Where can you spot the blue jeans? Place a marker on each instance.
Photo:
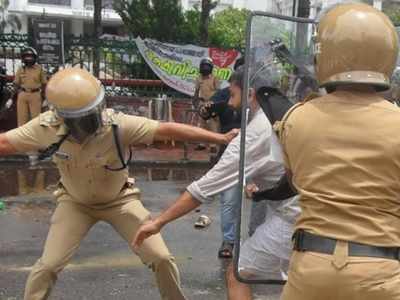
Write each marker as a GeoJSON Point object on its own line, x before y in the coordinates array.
{"type": "Point", "coordinates": [229, 212]}
{"type": "Point", "coordinates": [230, 199]}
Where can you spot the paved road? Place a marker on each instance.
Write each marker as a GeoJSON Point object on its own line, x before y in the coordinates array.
{"type": "Point", "coordinates": [104, 268]}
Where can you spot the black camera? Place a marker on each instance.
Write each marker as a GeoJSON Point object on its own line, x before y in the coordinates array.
{"type": "Point", "coordinates": [210, 110]}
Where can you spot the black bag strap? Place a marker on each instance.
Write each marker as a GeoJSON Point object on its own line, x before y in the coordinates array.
{"type": "Point", "coordinates": [53, 148]}
{"type": "Point", "coordinates": [281, 191]}
{"type": "Point", "coordinates": [124, 163]}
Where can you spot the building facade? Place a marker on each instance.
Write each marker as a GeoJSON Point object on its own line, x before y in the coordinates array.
{"type": "Point", "coordinates": [260, 5]}
{"type": "Point", "coordinates": [285, 7]}
{"type": "Point", "coordinates": [77, 15]}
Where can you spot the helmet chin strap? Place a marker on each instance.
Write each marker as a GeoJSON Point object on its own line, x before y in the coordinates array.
{"type": "Point", "coordinates": [29, 63]}
{"type": "Point", "coordinates": [80, 137]}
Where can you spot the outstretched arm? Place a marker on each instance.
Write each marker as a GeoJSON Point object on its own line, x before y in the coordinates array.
{"type": "Point", "coordinates": [183, 132]}
{"type": "Point", "coordinates": [5, 146]}
{"type": "Point", "coordinates": [182, 206]}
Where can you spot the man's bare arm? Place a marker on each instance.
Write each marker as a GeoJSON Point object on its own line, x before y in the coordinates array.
{"type": "Point", "coordinates": [182, 206]}
{"type": "Point", "coordinates": [5, 146]}
{"type": "Point", "coordinates": [183, 132]}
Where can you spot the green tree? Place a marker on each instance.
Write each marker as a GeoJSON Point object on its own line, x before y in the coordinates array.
{"type": "Point", "coordinates": [6, 19]}
{"type": "Point", "coordinates": [157, 19]}
{"type": "Point", "coordinates": [228, 28]}
{"type": "Point", "coordinates": [190, 30]}
{"type": "Point", "coordinates": [392, 10]}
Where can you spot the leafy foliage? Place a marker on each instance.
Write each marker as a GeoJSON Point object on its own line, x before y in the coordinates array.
{"type": "Point", "coordinates": [190, 31]}
{"type": "Point", "coordinates": [394, 14]}
{"type": "Point", "coordinates": [157, 19]}
{"type": "Point", "coordinates": [164, 20]}
{"type": "Point", "coordinates": [228, 28]}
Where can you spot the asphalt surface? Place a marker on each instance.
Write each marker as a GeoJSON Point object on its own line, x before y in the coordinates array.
{"type": "Point", "coordinates": [104, 268]}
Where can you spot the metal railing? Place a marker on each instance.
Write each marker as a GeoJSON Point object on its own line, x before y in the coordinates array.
{"type": "Point", "coordinates": [122, 67]}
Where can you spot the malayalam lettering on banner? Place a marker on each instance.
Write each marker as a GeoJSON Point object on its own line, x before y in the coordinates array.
{"type": "Point", "coordinates": [178, 66]}
{"type": "Point", "coordinates": [48, 41]}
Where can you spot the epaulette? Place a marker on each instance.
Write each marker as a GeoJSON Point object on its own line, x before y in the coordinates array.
{"type": "Point", "coordinates": [279, 126]}
{"type": "Point", "coordinates": [109, 117]}
{"type": "Point", "coordinates": [49, 119]}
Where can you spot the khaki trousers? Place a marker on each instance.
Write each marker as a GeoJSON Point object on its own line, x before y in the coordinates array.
{"type": "Point", "coordinates": [315, 276]}
{"type": "Point", "coordinates": [27, 186]}
{"type": "Point", "coordinates": [29, 106]}
{"type": "Point", "coordinates": [69, 225]}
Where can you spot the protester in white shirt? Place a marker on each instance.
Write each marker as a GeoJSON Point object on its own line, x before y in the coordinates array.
{"type": "Point", "coordinates": [270, 246]}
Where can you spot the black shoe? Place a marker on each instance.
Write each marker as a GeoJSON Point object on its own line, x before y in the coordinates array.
{"type": "Point", "coordinates": [200, 147]}
{"type": "Point", "coordinates": [226, 250]}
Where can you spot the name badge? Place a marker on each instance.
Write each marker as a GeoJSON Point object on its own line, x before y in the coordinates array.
{"type": "Point", "coordinates": [62, 155]}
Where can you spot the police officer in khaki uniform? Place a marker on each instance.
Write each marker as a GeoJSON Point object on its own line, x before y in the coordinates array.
{"type": "Point", "coordinates": [30, 80]}
{"type": "Point", "coordinates": [206, 85]}
{"type": "Point", "coordinates": [91, 144]}
{"type": "Point", "coordinates": [343, 152]}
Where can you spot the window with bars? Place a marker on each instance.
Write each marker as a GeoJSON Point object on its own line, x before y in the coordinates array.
{"type": "Point", "coordinates": [51, 2]}
{"type": "Point", "coordinates": [106, 4]}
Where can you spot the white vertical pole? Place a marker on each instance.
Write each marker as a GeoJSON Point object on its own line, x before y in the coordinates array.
{"type": "Point", "coordinates": [378, 4]}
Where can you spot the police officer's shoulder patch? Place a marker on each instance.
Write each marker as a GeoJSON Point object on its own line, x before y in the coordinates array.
{"type": "Point", "coordinates": [279, 127]}
{"type": "Point", "coordinates": [279, 124]}
{"type": "Point", "coordinates": [49, 119]}
{"type": "Point", "coordinates": [110, 117]}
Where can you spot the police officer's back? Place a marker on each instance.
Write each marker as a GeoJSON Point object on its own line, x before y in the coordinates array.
{"type": "Point", "coordinates": [343, 152]}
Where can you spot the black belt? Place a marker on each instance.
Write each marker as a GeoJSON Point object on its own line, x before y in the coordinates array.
{"type": "Point", "coordinates": [305, 241]}
{"type": "Point", "coordinates": [30, 90]}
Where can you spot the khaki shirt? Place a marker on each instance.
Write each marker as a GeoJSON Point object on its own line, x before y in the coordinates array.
{"type": "Point", "coordinates": [30, 77]}
{"type": "Point", "coordinates": [343, 150]}
{"type": "Point", "coordinates": [82, 166]}
{"type": "Point", "coordinates": [207, 86]}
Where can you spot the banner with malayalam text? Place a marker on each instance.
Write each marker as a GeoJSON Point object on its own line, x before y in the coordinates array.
{"type": "Point", "coordinates": [178, 65]}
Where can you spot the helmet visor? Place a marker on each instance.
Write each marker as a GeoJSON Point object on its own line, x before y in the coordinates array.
{"type": "Point", "coordinates": [206, 69]}
{"type": "Point", "coordinates": [82, 127]}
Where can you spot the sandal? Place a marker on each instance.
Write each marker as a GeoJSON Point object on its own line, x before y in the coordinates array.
{"type": "Point", "coordinates": [202, 222]}
{"type": "Point", "coordinates": [226, 250]}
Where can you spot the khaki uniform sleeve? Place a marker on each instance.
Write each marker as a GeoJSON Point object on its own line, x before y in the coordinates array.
{"type": "Point", "coordinates": [282, 130]}
{"type": "Point", "coordinates": [217, 83]}
{"type": "Point", "coordinates": [137, 130]}
{"type": "Point", "coordinates": [43, 76]}
{"type": "Point", "coordinates": [29, 137]}
{"type": "Point", "coordinates": [283, 140]}
{"type": "Point", "coordinates": [17, 78]}
{"type": "Point", "coordinates": [197, 84]}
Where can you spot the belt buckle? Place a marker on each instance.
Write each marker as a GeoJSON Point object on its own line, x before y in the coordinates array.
{"type": "Point", "coordinates": [397, 254]}
{"type": "Point", "coordinates": [298, 241]}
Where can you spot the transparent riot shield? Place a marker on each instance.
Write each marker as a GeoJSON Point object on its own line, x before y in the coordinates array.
{"type": "Point", "coordinates": [393, 94]}
{"type": "Point", "coordinates": [278, 73]}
